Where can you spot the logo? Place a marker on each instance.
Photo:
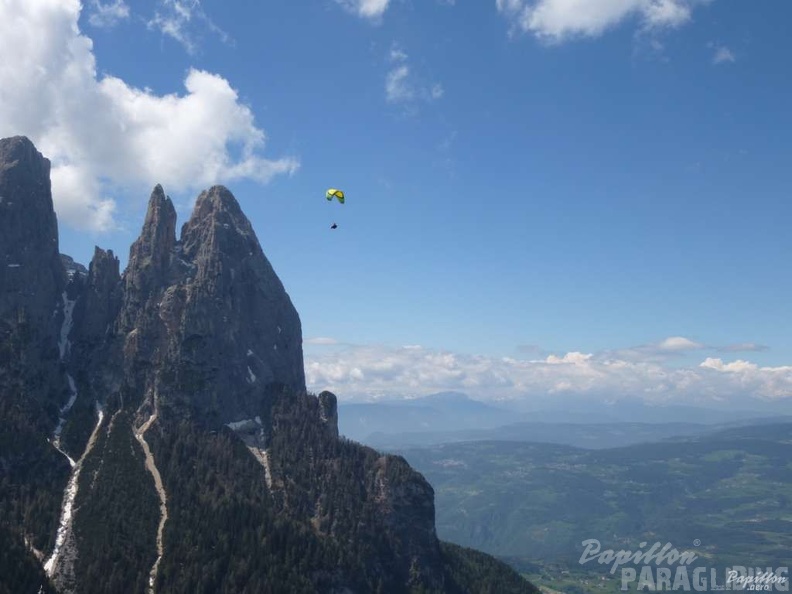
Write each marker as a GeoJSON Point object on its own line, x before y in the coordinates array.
{"type": "Point", "coordinates": [664, 568]}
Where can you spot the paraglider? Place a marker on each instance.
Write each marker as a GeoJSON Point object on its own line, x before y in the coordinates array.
{"type": "Point", "coordinates": [338, 195]}
{"type": "Point", "coordinates": [333, 193]}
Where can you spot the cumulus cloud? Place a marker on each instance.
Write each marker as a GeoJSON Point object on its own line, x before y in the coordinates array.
{"type": "Point", "coordinates": [402, 86]}
{"type": "Point", "coordinates": [367, 9]}
{"type": "Point", "coordinates": [558, 20]}
{"type": "Point", "coordinates": [377, 371]}
{"type": "Point", "coordinates": [182, 20]}
{"type": "Point", "coordinates": [734, 367]}
{"type": "Point", "coordinates": [107, 14]}
{"type": "Point", "coordinates": [102, 134]}
{"type": "Point", "coordinates": [749, 378]}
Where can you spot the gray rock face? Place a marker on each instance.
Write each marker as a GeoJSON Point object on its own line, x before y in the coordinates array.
{"type": "Point", "coordinates": [32, 276]}
{"type": "Point", "coordinates": [73, 268]}
{"type": "Point", "coordinates": [32, 282]}
{"type": "Point", "coordinates": [234, 294]}
{"type": "Point", "coordinates": [207, 316]}
{"type": "Point", "coordinates": [100, 297]}
{"type": "Point", "coordinates": [95, 351]}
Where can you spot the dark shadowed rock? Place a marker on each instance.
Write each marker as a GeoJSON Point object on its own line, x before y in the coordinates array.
{"type": "Point", "coordinates": [32, 385]}
{"type": "Point", "coordinates": [95, 351]}
{"type": "Point", "coordinates": [73, 268]}
{"type": "Point", "coordinates": [32, 277]}
{"type": "Point", "coordinates": [101, 297]}
{"type": "Point", "coordinates": [328, 412]}
{"type": "Point", "coordinates": [31, 273]}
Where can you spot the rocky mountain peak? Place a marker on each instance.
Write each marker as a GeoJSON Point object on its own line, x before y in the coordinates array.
{"type": "Point", "coordinates": [216, 201]}
{"type": "Point", "coordinates": [158, 237]}
{"type": "Point", "coordinates": [19, 154]}
{"type": "Point", "coordinates": [103, 271]}
{"type": "Point", "coordinates": [211, 308]}
{"type": "Point", "coordinates": [218, 225]}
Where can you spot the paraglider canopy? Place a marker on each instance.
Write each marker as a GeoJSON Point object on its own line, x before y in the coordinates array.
{"type": "Point", "coordinates": [333, 193]}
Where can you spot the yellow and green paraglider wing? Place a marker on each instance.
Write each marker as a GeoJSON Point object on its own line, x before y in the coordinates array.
{"type": "Point", "coordinates": [333, 193]}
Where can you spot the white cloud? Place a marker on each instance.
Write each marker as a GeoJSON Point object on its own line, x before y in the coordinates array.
{"type": "Point", "coordinates": [101, 134]}
{"type": "Point", "coordinates": [574, 358]}
{"type": "Point", "coordinates": [734, 367]}
{"type": "Point", "coordinates": [378, 371]}
{"type": "Point", "coordinates": [321, 341]}
{"type": "Point", "coordinates": [666, 13]}
{"type": "Point", "coordinates": [402, 86]}
{"type": "Point", "coordinates": [108, 14]}
{"type": "Point", "coordinates": [723, 55]}
{"type": "Point", "coordinates": [678, 343]}
{"type": "Point", "coordinates": [181, 20]}
{"type": "Point", "coordinates": [558, 20]}
{"type": "Point", "coordinates": [766, 382]}
{"type": "Point", "coordinates": [397, 54]}
{"type": "Point", "coordinates": [367, 9]}
{"type": "Point", "coordinates": [671, 347]}
{"type": "Point", "coordinates": [397, 85]}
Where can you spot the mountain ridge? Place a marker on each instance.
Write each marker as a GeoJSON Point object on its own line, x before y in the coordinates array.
{"type": "Point", "coordinates": [156, 430]}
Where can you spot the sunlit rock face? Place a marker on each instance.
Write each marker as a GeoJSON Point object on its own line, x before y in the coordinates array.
{"type": "Point", "coordinates": [206, 314]}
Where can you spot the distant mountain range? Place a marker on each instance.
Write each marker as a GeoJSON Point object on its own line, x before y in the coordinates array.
{"type": "Point", "coordinates": [450, 417]}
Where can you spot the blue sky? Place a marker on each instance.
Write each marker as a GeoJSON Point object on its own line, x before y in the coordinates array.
{"type": "Point", "coordinates": [543, 196]}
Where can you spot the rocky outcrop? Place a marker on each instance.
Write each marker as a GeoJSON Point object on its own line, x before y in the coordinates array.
{"type": "Point", "coordinates": [32, 276]}
{"type": "Point", "coordinates": [328, 412]}
{"type": "Point", "coordinates": [73, 268]}
{"type": "Point", "coordinates": [99, 299]}
{"type": "Point", "coordinates": [206, 317]}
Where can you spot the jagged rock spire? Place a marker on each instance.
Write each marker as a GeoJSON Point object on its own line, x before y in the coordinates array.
{"type": "Point", "coordinates": [212, 305]}
{"type": "Point", "coordinates": [152, 250]}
